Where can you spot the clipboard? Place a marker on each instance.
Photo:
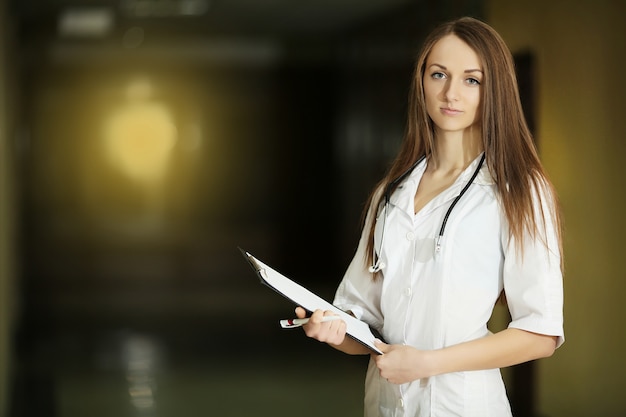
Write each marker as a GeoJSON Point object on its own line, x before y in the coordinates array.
{"type": "Point", "coordinates": [296, 293]}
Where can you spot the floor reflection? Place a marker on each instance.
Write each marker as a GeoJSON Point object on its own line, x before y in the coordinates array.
{"type": "Point", "coordinates": [260, 370]}
{"type": "Point", "coordinates": [142, 356]}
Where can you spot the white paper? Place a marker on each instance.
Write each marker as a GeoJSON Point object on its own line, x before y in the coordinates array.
{"type": "Point", "coordinates": [306, 299]}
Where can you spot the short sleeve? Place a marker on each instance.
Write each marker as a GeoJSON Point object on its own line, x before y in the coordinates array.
{"type": "Point", "coordinates": [358, 292]}
{"type": "Point", "coordinates": [533, 280]}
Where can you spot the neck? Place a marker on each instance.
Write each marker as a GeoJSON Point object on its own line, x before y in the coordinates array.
{"type": "Point", "coordinates": [455, 151]}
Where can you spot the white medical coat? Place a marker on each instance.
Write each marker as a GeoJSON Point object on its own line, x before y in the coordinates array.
{"type": "Point", "coordinates": [430, 299]}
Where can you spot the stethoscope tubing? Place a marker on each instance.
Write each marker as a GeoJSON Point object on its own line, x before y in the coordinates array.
{"type": "Point", "coordinates": [377, 265]}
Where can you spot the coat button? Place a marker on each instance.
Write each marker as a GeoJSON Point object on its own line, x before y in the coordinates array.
{"type": "Point", "coordinates": [410, 236]}
{"type": "Point", "coordinates": [407, 291]}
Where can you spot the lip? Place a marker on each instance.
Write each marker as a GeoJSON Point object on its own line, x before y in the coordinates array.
{"type": "Point", "coordinates": [448, 111]}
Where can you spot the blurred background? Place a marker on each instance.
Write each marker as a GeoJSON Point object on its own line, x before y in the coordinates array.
{"type": "Point", "coordinates": [143, 141]}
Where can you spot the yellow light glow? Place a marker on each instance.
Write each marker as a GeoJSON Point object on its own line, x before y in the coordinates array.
{"type": "Point", "coordinates": [139, 137]}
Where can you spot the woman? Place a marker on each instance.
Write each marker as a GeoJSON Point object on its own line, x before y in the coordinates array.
{"type": "Point", "coordinates": [465, 217]}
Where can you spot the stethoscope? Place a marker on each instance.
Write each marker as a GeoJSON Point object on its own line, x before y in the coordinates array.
{"type": "Point", "coordinates": [378, 264]}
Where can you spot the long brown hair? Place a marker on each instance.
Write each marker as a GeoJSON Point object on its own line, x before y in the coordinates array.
{"type": "Point", "coordinates": [510, 151]}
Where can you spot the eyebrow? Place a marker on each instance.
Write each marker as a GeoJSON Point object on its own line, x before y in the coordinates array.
{"type": "Point", "coordinates": [467, 71]}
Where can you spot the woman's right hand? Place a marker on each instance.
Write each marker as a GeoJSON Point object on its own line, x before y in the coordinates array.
{"type": "Point", "coordinates": [332, 332]}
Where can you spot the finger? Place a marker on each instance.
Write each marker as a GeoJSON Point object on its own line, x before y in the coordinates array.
{"type": "Point", "coordinates": [335, 326]}
{"type": "Point", "coordinates": [316, 317]}
{"type": "Point", "coordinates": [336, 331]}
{"type": "Point", "coordinates": [300, 312]}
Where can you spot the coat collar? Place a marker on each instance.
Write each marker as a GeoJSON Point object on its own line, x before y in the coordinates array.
{"type": "Point", "coordinates": [403, 196]}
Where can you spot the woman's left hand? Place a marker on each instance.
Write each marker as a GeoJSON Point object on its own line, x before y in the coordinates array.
{"type": "Point", "coordinates": [400, 364]}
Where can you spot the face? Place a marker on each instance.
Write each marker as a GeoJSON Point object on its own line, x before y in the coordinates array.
{"type": "Point", "coordinates": [452, 85]}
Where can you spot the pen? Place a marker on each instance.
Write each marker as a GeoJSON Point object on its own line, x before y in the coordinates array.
{"type": "Point", "coordinates": [290, 323]}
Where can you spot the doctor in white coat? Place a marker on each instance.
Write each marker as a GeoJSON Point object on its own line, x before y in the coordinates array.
{"type": "Point", "coordinates": [465, 217]}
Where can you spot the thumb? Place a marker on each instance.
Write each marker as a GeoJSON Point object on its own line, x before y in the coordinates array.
{"type": "Point", "coordinates": [383, 347]}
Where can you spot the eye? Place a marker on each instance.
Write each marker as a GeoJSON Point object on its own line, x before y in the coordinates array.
{"type": "Point", "coordinates": [473, 81]}
{"type": "Point", "coordinates": [438, 75]}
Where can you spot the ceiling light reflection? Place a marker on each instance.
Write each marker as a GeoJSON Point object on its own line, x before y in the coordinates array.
{"type": "Point", "coordinates": [161, 8]}
{"type": "Point", "coordinates": [140, 135]}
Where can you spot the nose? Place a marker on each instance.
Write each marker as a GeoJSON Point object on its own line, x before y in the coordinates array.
{"type": "Point", "coordinates": [450, 93]}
